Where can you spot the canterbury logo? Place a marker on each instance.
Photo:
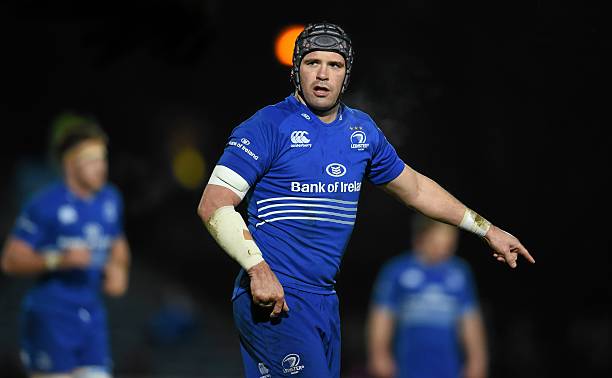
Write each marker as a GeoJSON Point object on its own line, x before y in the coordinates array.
{"type": "Point", "coordinates": [299, 137]}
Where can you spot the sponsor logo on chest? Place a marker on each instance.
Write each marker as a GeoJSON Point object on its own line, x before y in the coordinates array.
{"type": "Point", "coordinates": [335, 170]}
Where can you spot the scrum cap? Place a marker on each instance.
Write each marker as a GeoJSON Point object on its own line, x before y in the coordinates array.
{"type": "Point", "coordinates": [322, 37]}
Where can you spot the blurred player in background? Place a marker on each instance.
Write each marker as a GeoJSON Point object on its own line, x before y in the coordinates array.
{"type": "Point", "coordinates": [302, 162]}
{"type": "Point", "coordinates": [70, 236]}
{"type": "Point", "coordinates": [424, 320]}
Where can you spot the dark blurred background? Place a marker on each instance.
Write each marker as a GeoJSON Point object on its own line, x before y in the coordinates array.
{"type": "Point", "coordinates": [501, 104]}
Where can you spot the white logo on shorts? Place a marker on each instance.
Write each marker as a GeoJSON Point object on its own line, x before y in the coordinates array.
{"type": "Point", "coordinates": [291, 364]}
{"type": "Point", "coordinates": [263, 370]}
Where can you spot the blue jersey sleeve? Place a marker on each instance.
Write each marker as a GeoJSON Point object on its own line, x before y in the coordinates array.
{"type": "Point", "coordinates": [386, 289]}
{"type": "Point", "coordinates": [250, 148]}
{"type": "Point", "coordinates": [32, 225]}
{"type": "Point", "coordinates": [385, 165]}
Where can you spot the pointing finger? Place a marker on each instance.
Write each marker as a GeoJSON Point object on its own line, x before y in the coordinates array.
{"type": "Point", "coordinates": [523, 251]}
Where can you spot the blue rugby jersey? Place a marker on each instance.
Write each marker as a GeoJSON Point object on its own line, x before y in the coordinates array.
{"type": "Point", "coordinates": [305, 177]}
{"type": "Point", "coordinates": [55, 219]}
{"type": "Point", "coordinates": [428, 302]}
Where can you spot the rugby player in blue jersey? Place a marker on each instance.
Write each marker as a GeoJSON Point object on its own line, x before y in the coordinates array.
{"type": "Point", "coordinates": [70, 236]}
{"type": "Point", "coordinates": [301, 162]}
{"type": "Point", "coordinates": [424, 319]}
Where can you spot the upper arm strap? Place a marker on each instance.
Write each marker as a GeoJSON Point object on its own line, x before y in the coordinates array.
{"type": "Point", "coordinates": [223, 176]}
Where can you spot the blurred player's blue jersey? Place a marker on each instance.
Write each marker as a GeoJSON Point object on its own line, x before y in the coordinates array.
{"type": "Point", "coordinates": [427, 302]}
{"type": "Point", "coordinates": [306, 177]}
{"type": "Point", "coordinates": [55, 220]}
{"type": "Point", "coordinates": [63, 319]}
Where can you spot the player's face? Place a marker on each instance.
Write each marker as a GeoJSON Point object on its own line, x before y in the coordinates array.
{"type": "Point", "coordinates": [321, 75]}
{"type": "Point", "coordinates": [439, 243]}
{"type": "Point", "coordinates": [90, 166]}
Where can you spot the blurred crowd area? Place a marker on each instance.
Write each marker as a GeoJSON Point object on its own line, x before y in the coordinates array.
{"type": "Point", "coordinates": [500, 109]}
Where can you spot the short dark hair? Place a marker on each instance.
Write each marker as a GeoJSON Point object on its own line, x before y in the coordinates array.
{"type": "Point", "coordinates": [420, 224]}
{"type": "Point", "coordinates": [69, 129]}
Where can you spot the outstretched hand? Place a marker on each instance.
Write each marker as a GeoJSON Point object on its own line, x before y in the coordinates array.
{"type": "Point", "coordinates": [506, 247]}
{"type": "Point", "coordinates": [266, 290]}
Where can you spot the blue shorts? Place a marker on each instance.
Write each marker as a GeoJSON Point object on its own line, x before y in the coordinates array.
{"type": "Point", "coordinates": [305, 342]}
{"type": "Point", "coordinates": [58, 341]}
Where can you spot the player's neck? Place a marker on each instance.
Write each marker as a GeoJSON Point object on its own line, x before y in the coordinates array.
{"type": "Point", "coordinates": [426, 259]}
{"type": "Point", "coordinates": [326, 116]}
{"type": "Point", "coordinates": [76, 188]}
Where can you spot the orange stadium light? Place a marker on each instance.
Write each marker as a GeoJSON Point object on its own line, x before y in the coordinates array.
{"type": "Point", "coordinates": [285, 41]}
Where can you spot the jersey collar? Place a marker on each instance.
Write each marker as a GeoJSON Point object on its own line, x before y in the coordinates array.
{"type": "Point", "coordinates": [303, 109]}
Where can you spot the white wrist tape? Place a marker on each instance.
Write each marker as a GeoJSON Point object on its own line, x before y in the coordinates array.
{"type": "Point", "coordinates": [473, 222]}
{"type": "Point", "coordinates": [52, 260]}
{"type": "Point", "coordinates": [223, 176]}
{"type": "Point", "coordinates": [229, 230]}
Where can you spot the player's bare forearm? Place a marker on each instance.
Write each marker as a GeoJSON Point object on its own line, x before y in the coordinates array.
{"type": "Point", "coordinates": [474, 343]}
{"type": "Point", "coordinates": [116, 270]}
{"type": "Point", "coordinates": [18, 258]}
{"type": "Point", "coordinates": [381, 324]}
{"type": "Point", "coordinates": [120, 253]}
{"type": "Point", "coordinates": [426, 196]}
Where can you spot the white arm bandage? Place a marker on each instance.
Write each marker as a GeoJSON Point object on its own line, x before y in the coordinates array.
{"type": "Point", "coordinates": [473, 222]}
{"type": "Point", "coordinates": [223, 176]}
{"type": "Point", "coordinates": [229, 230]}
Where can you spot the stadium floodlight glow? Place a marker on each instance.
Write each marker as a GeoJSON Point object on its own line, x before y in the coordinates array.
{"type": "Point", "coordinates": [285, 42]}
{"type": "Point", "coordinates": [188, 167]}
